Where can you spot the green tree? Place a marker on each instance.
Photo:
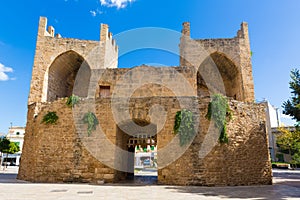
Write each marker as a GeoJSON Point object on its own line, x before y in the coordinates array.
{"type": "Point", "coordinates": [292, 106]}
{"type": "Point", "coordinates": [4, 144]}
{"type": "Point", "coordinates": [13, 148]}
{"type": "Point", "coordinates": [289, 140]}
{"type": "Point", "coordinates": [8, 147]}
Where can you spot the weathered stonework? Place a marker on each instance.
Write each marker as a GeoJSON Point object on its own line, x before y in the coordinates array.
{"type": "Point", "coordinates": [237, 62]}
{"type": "Point", "coordinates": [56, 153]}
{"type": "Point", "coordinates": [63, 152]}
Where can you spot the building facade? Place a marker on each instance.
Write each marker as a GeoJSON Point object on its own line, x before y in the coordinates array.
{"type": "Point", "coordinates": [273, 122]}
{"type": "Point", "coordinates": [142, 102]}
{"type": "Point", "coordinates": [15, 134]}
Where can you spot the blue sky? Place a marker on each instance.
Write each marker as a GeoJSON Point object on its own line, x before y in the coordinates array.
{"type": "Point", "coordinates": [273, 26]}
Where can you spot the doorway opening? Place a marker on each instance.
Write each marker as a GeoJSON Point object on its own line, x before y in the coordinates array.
{"type": "Point", "coordinates": [138, 137]}
{"type": "Point", "coordinates": [144, 162]}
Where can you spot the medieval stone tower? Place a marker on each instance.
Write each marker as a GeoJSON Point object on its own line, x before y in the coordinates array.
{"type": "Point", "coordinates": [232, 56]}
{"type": "Point", "coordinates": [49, 79]}
{"type": "Point", "coordinates": [139, 104]}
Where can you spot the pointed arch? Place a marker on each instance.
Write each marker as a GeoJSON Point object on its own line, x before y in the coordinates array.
{"type": "Point", "coordinates": [229, 72]}
{"type": "Point", "coordinates": [62, 74]}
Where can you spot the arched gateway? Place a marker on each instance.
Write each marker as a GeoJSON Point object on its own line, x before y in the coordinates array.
{"type": "Point", "coordinates": [97, 139]}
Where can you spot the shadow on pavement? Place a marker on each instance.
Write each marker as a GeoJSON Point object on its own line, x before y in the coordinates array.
{"type": "Point", "coordinates": [286, 185]}
{"type": "Point", "coordinates": [243, 192]}
{"type": "Point", "coordinates": [9, 175]}
{"type": "Point", "coordinates": [137, 181]}
{"type": "Point", "coordinates": [9, 178]}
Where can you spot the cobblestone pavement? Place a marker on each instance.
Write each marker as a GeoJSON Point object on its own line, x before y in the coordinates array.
{"type": "Point", "coordinates": [286, 186]}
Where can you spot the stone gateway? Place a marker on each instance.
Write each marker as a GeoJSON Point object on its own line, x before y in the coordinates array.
{"type": "Point", "coordinates": [140, 104]}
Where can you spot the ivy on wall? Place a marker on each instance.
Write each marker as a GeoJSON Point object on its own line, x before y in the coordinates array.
{"type": "Point", "coordinates": [50, 118]}
{"type": "Point", "coordinates": [184, 126]}
{"type": "Point", "coordinates": [220, 113]}
{"type": "Point", "coordinates": [72, 100]}
{"type": "Point", "coordinates": [92, 121]}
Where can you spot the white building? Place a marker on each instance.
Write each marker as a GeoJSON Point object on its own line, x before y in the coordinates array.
{"type": "Point", "coordinates": [272, 123]}
{"type": "Point", "coordinates": [15, 134]}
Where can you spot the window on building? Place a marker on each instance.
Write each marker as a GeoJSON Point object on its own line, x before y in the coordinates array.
{"type": "Point", "coordinates": [18, 133]}
{"type": "Point", "coordinates": [104, 91]}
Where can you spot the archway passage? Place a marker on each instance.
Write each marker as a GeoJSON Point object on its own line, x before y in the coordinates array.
{"type": "Point", "coordinates": [145, 159]}
{"type": "Point", "coordinates": [229, 83]}
{"type": "Point", "coordinates": [141, 144]}
{"type": "Point", "coordinates": [62, 74]}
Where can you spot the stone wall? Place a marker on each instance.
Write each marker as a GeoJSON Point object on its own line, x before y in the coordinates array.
{"type": "Point", "coordinates": [243, 161]}
{"type": "Point", "coordinates": [59, 153]}
{"type": "Point", "coordinates": [147, 81]}
{"type": "Point", "coordinates": [63, 152]}
{"type": "Point", "coordinates": [229, 55]}
{"type": "Point", "coordinates": [97, 54]}
{"type": "Point", "coordinates": [193, 52]}
{"type": "Point", "coordinates": [54, 153]}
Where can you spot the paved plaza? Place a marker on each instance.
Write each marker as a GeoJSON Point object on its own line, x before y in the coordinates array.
{"type": "Point", "coordinates": [286, 186]}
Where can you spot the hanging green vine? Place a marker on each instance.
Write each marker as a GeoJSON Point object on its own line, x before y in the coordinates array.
{"type": "Point", "coordinates": [50, 118]}
{"type": "Point", "coordinates": [92, 121]}
{"type": "Point", "coordinates": [219, 111]}
{"type": "Point", "coordinates": [72, 100]}
{"type": "Point", "coordinates": [184, 126]}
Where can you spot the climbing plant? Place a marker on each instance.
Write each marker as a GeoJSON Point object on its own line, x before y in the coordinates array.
{"type": "Point", "coordinates": [92, 121]}
{"type": "Point", "coordinates": [220, 113]}
{"type": "Point", "coordinates": [72, 100]}
{"type": "Point", "coordinates": [50, 118]}
{"type": "Point", "coordinates": [184, 126]}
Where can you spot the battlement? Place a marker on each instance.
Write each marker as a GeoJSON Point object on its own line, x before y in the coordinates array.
{"type": "Point", "coordinates": [232, 55]}
{"type": "Point", "coordinates": [107, 37]}
{"type": "Point", "coordinates": [46, 31]}
{"type": "Point", "coordinates": [57, 58]}
{"type": "Point", "coordinates": [186, 29]}
{"type": "Point", "coordinates": [49, 31]}
{"type": "Point", "coordinates": [243, 31]}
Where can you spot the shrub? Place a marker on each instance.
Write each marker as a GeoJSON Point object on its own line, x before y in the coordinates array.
{"type": "Point", "coordinates": [220, 113]}
{"type": "Point", "coordinates": [50, 118]}
{"type": "Point", "coordinates": [184, 126]}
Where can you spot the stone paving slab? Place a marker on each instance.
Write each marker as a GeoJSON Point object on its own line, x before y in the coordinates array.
{"type": "Point", "coordinates": [286, 186]}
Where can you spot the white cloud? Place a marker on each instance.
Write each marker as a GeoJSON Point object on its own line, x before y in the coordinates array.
{"type": "Point", "coordinates": [94, 13]}
{"type": "Point", "coordinates": [3, 71]}
{"type": "Point", "coordinates": [116, 3]}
